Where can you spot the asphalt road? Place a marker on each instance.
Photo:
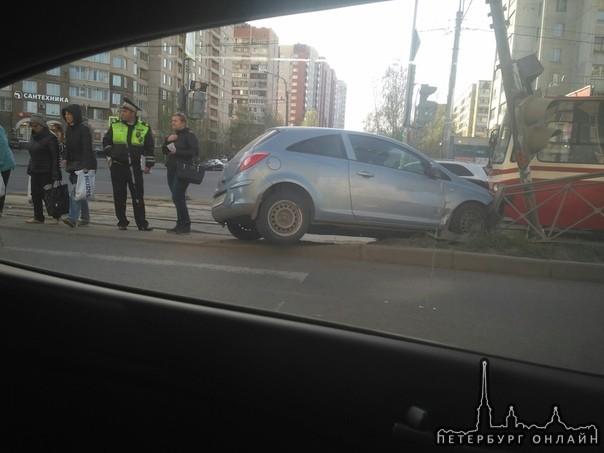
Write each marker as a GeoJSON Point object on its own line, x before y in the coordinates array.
{"type": "Point", "coordinates": [548, 321]}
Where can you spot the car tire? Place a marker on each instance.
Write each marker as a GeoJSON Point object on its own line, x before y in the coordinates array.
{"type": "Point", "coordinates": [469, 218]}
{"type": "Point", "coordinates": [245, 231]}
{"type": "Point", "coordinates": [283, 217]}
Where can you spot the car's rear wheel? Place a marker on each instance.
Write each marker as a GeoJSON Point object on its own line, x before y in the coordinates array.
{"type": "Point", "coordinates": [284, 217]}
{"type": "Point", "coordinates": [246, 231]}
{"type": "Point", "coordinates": [470, 218]}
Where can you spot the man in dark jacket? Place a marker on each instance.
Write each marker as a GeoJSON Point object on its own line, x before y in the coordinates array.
{"type": "Point", "coordinates": [77, 155]}
{"type": "Point", "coordinates": [129, 147]}
{"type": "Point", "coordinates": [43, 165]}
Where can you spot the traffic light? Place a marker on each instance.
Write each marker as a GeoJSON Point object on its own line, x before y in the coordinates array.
{"type": "Point", "coordinates": [425, 109]}
{"type": "Point", "coordinates": [199, 105]}
{"type": "Point", "coordinates": [533, 132]}
{"type": "Point", "coordinates": [181, 99]}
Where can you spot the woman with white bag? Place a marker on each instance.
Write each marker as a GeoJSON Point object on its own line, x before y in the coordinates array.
{"type": "Point", "coordinates": [78, 157]}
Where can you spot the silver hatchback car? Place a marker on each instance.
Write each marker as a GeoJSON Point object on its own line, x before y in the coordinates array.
{"type": "Point", "coordinates": [290, 181]}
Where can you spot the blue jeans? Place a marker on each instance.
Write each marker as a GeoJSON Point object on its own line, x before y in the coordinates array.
{"type": "Point", "coordinates": [179, 193]}
{"type": "Point", "coordinates": [77, 207]}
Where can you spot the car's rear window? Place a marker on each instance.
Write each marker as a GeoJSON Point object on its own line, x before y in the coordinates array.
{"type": "Point", "coordinates": [325, 145]}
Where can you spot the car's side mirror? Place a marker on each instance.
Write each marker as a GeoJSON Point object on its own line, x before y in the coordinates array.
{"type": "Point", "coordinates": [430, 169]}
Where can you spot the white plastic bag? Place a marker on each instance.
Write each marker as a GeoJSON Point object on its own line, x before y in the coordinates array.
{"type": "Point", "coordinates": [2, 187]}
{"type": "Point", "coordinates": [29, 200]}
{"type": "Point", "coordinates": [85, 187]}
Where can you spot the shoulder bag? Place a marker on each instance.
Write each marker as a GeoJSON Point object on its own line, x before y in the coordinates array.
{"type": "Point", "coordinates": [192, 173]}
{"type": "Point", "coordinates": [56, 198]}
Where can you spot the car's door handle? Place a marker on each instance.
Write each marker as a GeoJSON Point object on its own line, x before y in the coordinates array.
{"type": "Point", "coordinates": [365, 174]}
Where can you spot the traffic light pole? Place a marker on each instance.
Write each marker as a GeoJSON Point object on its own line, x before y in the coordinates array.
{"type": "Point", "coordinates": [410, 78]}
{"type": "Point", "coordinates": [448, 129]}
{"type": "Point", "coordinates": [514, 94]}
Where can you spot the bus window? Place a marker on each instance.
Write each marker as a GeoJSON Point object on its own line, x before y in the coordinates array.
{"type": "Point", "coordinates": [503, 141]}
{"type": "Point", "coordinates": [579, 141]}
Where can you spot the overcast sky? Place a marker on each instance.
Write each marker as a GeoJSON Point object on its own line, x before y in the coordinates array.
{"type": "Point", "coordinates": [360, 42]}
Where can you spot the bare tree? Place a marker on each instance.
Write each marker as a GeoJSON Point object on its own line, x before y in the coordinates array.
{"type": "Point", "coordinates": [389, 115]}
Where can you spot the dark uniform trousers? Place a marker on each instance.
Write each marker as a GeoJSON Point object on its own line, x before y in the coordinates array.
{"type": "Point", "coordinates": [123, 178]}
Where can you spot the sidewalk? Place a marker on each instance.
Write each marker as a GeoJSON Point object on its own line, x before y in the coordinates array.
{"type": "Point", "coordinates": [207, 233]}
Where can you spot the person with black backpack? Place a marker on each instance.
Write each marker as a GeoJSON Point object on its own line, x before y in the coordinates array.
{"type": "Point", "coordinates": [180, 147]}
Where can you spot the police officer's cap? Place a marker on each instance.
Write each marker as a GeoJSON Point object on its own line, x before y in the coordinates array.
{"type": "Point", "coordinates": [129, 105]}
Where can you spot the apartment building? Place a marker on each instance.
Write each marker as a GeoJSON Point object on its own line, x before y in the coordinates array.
{"type": "Point", "coordinates": [471, 111]}
{"type": "Point", "coordinates": [240, 66]}
{"type": "Point", "coordinates": [149, 73]}
{"type": "Point", "coordinates": [339, 119]}
{"type": "Point", "coordinates": [255, 67]}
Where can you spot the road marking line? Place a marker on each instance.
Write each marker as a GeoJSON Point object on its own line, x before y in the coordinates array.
{"type": "Point", "coordinates": [297, 276]}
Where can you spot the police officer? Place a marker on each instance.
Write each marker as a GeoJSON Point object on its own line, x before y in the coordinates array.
{"type": "Point", "coordinates": [129, 145]}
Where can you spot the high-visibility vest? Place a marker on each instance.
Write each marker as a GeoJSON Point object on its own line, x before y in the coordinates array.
{"type": "Point", "coordinates": [120, 133]}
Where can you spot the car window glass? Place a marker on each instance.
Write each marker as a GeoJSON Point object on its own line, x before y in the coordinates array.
{"type": "Point", "coordinates": [459, 170]}
{"type": "Point", "coordinates": [375, 151]}
{"type": "Point", "coordinates": [325, 145]}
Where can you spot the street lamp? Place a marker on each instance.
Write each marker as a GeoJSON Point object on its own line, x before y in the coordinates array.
{"type": "Point", "coordinates": [286, 94]}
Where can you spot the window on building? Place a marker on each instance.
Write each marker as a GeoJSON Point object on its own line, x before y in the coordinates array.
{"type": "Point", "coordinates": [53, 89]}
{"type": "Point", "coordinates": [599, 44]}
{"type": "Point", "coordinates": [30, 86]}
{"type": "Point", "coordinates": [601, 16]}
{"type": "Point", "coordinates": [30, 107]}
{"type": "Point", "coordinates": [99, 58]}
{"type": "Point", "coordinates": [116, 80]}
{"type": "Point", "coordinates": [53, 109]}
{"type": "Point", "coordinates": [6, 104]}
{"type": "Point", "coordinates": [560, 5]}
{"type": "Point", "coordinates": [54, 71]}
{"type": "Point", "coordinates": [119, 62]}
{"type": "Point", "coordinates": [556, 54]}
{"type": "Point", "coordinates": [558, 30]}
{"type": "Point", "coordinates": [95, 114]}
{"type": "Point", "coordinates": [116, 99]}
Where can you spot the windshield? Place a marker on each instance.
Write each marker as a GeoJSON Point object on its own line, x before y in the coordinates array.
{"type": "Point", "coordinates": [341, 228]}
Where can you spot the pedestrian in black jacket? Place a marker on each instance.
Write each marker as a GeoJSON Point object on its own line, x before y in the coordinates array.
{"type": "Point", "coordinates": [180, 147]}
{"type": "Point", "coordinates": [43, 165]}
{"type": "Point", "coordinates": [77, 155]}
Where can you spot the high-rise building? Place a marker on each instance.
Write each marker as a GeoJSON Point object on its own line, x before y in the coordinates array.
{"type": "Point", "coordinates": [471, 111]}
{"type": "Point", "coordinates": [340, 105]}
{"type": "Point", "coordinates": [238, 67]}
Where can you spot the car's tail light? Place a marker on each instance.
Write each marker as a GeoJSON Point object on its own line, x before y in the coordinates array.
{"type": "Point", "coordinates": [251, 160]}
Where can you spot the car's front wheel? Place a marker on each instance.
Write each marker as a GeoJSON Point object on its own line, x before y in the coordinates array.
{"type": "Point", "coordinates": [470, 218]}
{"type": "Point", "coordinates": [284, 217]}
{"type": "Point", "coordinates": [245, 231]}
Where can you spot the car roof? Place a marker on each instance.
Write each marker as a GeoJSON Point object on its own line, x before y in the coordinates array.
{"type": "Point", "coordinates": [113, 30]}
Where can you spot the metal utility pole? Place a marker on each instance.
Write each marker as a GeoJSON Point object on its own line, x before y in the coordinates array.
{"type": "Point", "coordinates": [286, 95]}
{"type": "Point", "coordinates": [448, 126]}
{"type": "Point", "coordinates": [514, 93]}
{"type": "Point", "coordinates": [410, 77]}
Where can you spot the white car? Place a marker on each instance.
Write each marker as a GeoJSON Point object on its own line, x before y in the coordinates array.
{"type": "Point", "coordinates": [469, 170]}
